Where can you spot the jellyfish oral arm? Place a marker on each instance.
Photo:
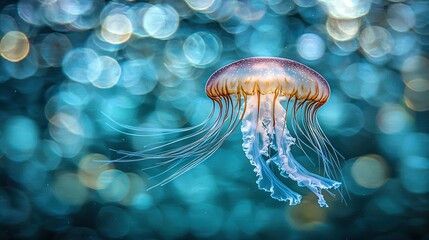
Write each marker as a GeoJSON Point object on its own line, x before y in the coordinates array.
{"type": "Point", "coordinates": [260, 134]}
{"type": "Point", "coordinates": [254, 148]}
{"type": "Point", "coordinates": [291, 168]}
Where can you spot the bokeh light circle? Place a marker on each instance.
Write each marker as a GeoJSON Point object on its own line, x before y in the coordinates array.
{"type": "Point", "coordinates": [14, 46]}
{"type": "Point", "coordinates": [369, 171]}
{"type": "Point", "coordinates": [202, 48]}
{"type": "Point", "coordinates": [310, 46]}
{"type": "Point", "coordinates": [82, 65]}
{"type": "Point", "coordinates": [110, 71]}
{"type": "Point", "coordinates": [161, 21]}
{"type": "Point", "coordinates": [116, 28]}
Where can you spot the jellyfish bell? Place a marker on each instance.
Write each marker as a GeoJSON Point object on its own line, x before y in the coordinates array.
{"type": "Point", "coordinates": [263, 76]}
{"type": "Point", "coordinates": [276, 101]}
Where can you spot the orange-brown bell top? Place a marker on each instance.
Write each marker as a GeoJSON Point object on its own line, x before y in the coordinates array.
{"type": "Point", "coordinates": [266, 75]}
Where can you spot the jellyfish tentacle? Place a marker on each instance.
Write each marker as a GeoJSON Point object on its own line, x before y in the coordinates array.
{"type": "Point", "coordinates": [201, 150]}
{"type": "Point", "coordinates": [327, 155]}
{"type": "Point", "coordinates": [290, 168]}
{"type": "Point", "coordinates": [171, 160]}
{"type": "Point", "coordinates": [254, 141]}
{"type": "Point", "coordinates": [150, 132]}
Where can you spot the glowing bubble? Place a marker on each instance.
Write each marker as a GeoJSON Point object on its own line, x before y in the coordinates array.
{"type": "Point", "coordinates": [99, 44]}
{"type": "Point", "coordinates": [54, 47]}
{"type": "Point", "coordinates": [142, 201]}
{"type": "Point", "coordinates": [90, 170]}
{"type": "Point", "coordinates": [242, 12]}
{"type": "Point", "coordinates": [131, 73]}
{"type": "Point", "coordinates": [91, 17]}
{"type": "Point", "coordinates": [404, 43]}
{"type": "Point", "coordinates": [251, 11]}
{"type": "Point", "coordinates": [176, 61]}
{"type": "Point", "coordinates": [138, 11]}
{"type": "Point", "coordinates": [82, 65]}
{"type": "Point", "coordinates": [307, 215]}
{"type": "Point", "coordinates": [400, 17]}
{"type": "Point", "coordinates": [343, 48]}
{"type": "Point", "coordinates": [310, 46]}
{"type": "Point", "coordinates": [114, 185]}
{"type": "Point", "coordinates": [342, 118]}
{"type": "Point", "coordinates": [369, 171]}
{"type": "Point", "coordinates": [75, 94]}
{"type": "Point", "coordinates": [161, 21]}
{"type": "Point", "coordinates": [392, 119]}
{"type": "Point", "coordinates": [116, 29]}
{"type": "Point", "coordinates": [415, 70]}
{"type": "Point", "coordinates": [137, 192]}
{"type": "Point", "coordinates": [238, 22]}
{"type": "Point", "coordinates": [69, 190]}
{"type": "Point", "coordinates": [418, 84]}
{"type": "Point", "coordinates": [65, 128]}
{"type": "Point", "coordinates": [76, 7]}
{"type": "Point", "coordinates": [20, 137]}
{"type": "Point", "coordinates": [281, 7]}
{"type": "Point", "coordinates": [342, 29]}
{"type": "Point", "coordinates": [14, 46]}
{"type": "Point", "coordinates": [85, 22]}
{"type": "Point", "coordinates": [414, 67]}
{"type": "Point", "coordinates": [221, 10]}
{"type": "Point", "coordinates": [198, 110]}
{"type": "Point", "coordinates": [234, 26]}
{"type": "Point", "coordinates": [110, 73]}
{"type": "Point", "coordinates": [305, 3]}
{"type": "Point", "coordinates": [54, 14]}
{"type": "Point", "coordinates": [367, 85]}
{"type": "Point", "coordinates": [200, 5]}
{"type": "Point", "coordinates": [416, 98]}
{"type": "Point", "coordinates": [347, 9]}
{"type": "Point", "coordinates": [202, 48]}
{"type": "Point", "coordinates": [139, 76]}
{"type": "Point", "coordinates": [376, 41]}
{"type": "Point", "coordinates": [28, 10]}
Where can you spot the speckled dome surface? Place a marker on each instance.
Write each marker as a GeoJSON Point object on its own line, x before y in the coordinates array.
{"type": "Point", "coordinates": [267, 75]}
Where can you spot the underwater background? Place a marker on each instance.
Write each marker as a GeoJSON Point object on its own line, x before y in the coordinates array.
{"type": "Point", "coordinates": [67, 64]}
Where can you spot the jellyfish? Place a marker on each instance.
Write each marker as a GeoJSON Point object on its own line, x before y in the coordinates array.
{"type": "Point", "coordinates": [276, 101]}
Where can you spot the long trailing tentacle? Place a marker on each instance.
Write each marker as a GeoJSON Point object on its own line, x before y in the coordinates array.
{"type": "Point", "coordinates": [210, 146]}
{"type": "Point", "coordinates": [332, 156]}
{"type": "Point", "coordinates": [142, 131]}
{"type": "Point", "coordinates": [289, 167]}
{"type": "Point", "coordinates": [173, 157]}
{"type": "Point", "coordinates": [309, 136]}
